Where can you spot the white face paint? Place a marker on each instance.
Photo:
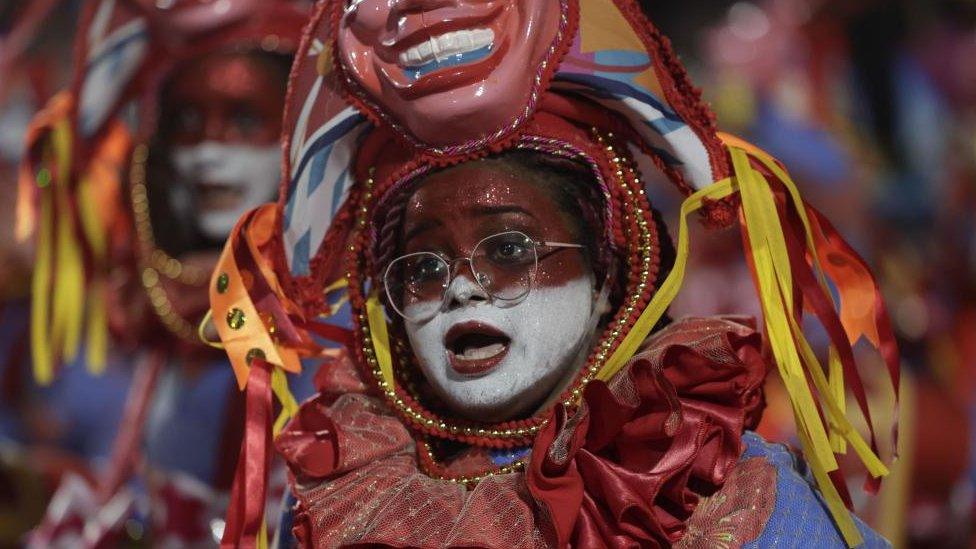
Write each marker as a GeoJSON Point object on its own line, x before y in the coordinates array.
{"type": "Point", "coordinates": [226, 180]}
{"type": "Point", "coordinates": [547, 336]}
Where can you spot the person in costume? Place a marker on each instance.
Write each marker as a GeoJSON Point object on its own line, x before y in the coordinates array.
{"type": "Point", "coordinates": [469, 176]}
{"type": "Point", "coordinates": [134, 177]}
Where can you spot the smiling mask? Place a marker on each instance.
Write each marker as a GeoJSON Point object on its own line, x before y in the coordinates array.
{"type": "Point", "coordinates": [453, 69]}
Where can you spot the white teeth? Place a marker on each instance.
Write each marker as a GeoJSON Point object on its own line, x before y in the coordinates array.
{"type": "Point", "coordinates": [446, 45]}
{"type": "Point", "coordinates": [481, 353]}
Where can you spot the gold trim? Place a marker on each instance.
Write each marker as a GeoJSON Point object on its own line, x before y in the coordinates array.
{"type": "Point", "coordinates": [156, 258]}
{"type": "Point", "coordinates": [154, 262]}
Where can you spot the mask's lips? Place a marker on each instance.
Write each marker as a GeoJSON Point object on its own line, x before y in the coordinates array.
{"type": "Point", "coordinates": [475, 348]}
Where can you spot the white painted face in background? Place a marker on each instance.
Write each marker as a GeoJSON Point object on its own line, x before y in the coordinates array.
{"type": "Point", "coordinates": [486, 359]}
{"type": "Point", "coordinates": [222, 115]}
{"type": "Point", "coordinates": [225, 180]}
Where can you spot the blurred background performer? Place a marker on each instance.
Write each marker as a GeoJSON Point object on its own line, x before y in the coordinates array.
{"type": "Point", "coordinates": [133, 176]}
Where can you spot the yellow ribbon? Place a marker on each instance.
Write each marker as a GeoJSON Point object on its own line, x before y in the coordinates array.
{"type": "Point", "coordinates": [669, 289]}
{"type": "Point", "coordinates": [41, 345]}
{"type": "Point", "coordinates": [289, 407]}
{"type": "Point", "coordinates": [56, 311]}
{"type": "Point", "coordinates": [380, 336]}
{"type": "Point", "coordinates": [792, 352]}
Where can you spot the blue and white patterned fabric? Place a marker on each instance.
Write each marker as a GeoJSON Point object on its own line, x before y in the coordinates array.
{"type": "Point", "coordinates": [800, 517]}
{"type": "Point", "coordinates": [114, 57]}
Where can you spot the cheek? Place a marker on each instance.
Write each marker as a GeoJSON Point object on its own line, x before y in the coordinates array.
{"type": "Point", "coordinates": [357, 43]}
{"type": "Point", "coordinates": [265, 133]}
{"type": "Point", "coordinates": [357, 58]}
{"type": "Point", "coordinates": [560, 269]}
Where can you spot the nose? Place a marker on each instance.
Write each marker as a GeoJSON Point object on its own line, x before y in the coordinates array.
{"type": "Point", "coordinates": [216, 128]}
{"type": "Point", "coordinates": [463, 290]}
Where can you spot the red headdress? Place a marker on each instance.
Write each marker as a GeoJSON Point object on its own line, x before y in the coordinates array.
{"type": "Point", "coordinates": [91, 138]}
{"type": "Point", "coordinates": [602, 87]}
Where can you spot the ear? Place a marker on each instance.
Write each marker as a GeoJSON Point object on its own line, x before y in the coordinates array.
{"type": "Point", "coordinates": [601, 299]}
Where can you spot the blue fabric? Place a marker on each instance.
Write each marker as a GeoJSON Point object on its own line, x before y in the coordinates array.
{"type": "Point", "coordinates": [189, 415]}
{"type": "Point", "coordinates": [800, 517]}
{"type": "Point", "coordinates": [284, 538]}
{"type": "Point", "coordinates": [89, 407]}
{"type": "Point", "coordinates": [187, 420]}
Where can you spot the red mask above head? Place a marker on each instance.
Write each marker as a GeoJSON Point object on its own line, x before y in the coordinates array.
{"type": "Point", "coordinates": [450, 70]}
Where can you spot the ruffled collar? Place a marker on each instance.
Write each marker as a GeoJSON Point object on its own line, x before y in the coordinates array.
{"type": "Point", "coordinates": [627, 468]}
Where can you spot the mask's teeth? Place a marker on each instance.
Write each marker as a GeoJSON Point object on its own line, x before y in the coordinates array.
{"type": "Point", "coordinates": [439, 48]}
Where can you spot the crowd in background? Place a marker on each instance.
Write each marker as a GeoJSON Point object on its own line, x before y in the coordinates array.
{"type": "Point", "coordinates": [870, 103]}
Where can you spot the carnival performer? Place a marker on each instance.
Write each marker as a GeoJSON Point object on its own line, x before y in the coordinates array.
{"type": "Point", "coordinates": [136, 175]}
{"type": "Point", "coordinates": [469, 174]}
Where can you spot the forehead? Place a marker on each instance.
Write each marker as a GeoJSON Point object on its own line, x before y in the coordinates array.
{"type": "Point", "coordinates": [478, 185]}
{"type": "Point", "coordinates": [226, 76]}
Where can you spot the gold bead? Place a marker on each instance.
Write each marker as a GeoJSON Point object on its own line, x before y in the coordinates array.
{"type": "Point", "coordinates": [253, 354]}
{"type": "Point", "coordinates": [223, 281]}
{"type": "Point", "coordinates": [150, 277]}
{"type": "Point", "coordinates": [236, 318]}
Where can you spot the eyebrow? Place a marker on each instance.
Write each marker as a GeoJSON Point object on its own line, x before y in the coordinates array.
{"type": "Point", "coordinates": [479, 210]}
{"type": "Point", "coordinates": [421, 227]}
{"type": "Point", "coordinates": [488, 209]}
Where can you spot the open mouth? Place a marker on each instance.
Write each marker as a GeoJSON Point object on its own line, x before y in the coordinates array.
{"type": "Point", "coordinates": [218, 196]}
{"type": "Point", "coordinates": [474, 348]}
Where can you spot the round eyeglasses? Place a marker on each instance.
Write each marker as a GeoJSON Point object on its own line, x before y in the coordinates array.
{"type": "Point", "coordinates": [504, 266]}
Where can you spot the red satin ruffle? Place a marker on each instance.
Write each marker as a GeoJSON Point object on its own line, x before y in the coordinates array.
{"type": "Point", "coordinates": [625, 470]}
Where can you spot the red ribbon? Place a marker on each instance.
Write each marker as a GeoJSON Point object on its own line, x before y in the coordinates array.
{"type": "Point", "coordinates": [829, 242]}
{"type": "Point", "coordinates": [126, 447]}
{"type": "Point", "coordinates": [245, 514]}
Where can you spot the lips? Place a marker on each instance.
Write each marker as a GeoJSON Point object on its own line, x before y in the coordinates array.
{"type": "Point", "coordinates": [452, 52]}
{"type": "Point", "coordinates": [475, 348]}
{"type": "Point", "coordinates": [218, 196]}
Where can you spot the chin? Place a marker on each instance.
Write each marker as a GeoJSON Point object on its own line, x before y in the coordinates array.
{"type": "Point", "coordinates": [440, 125]}
{"type": "Point", "coordinates": [501, 395]}
{"type": "Point", "coordinates": [494, 411]}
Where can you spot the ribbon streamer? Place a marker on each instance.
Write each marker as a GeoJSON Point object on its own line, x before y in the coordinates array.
{"type": "Point", "coordinates": [786, 255]}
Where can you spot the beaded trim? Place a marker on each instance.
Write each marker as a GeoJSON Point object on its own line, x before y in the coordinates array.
{"type": "Point", "coordinates": [430, 466]}
{"type": "Point", "coordinates": [154, 262]}
{"type": "Point", "coordinates": [624, 192]}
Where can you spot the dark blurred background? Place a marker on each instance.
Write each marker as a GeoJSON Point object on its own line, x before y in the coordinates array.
{"type": "Point", "coordinates": [870, 103]}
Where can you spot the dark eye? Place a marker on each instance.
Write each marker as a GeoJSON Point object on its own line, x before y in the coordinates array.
{"type": "Point", "coordinates": [425, 270]}
{"type": "Point", "coordinates": [246, 121]}
{"type": "Point", "coordinates": [509, 250]}
{"type": "Point", "coordinates": [189, 121]}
